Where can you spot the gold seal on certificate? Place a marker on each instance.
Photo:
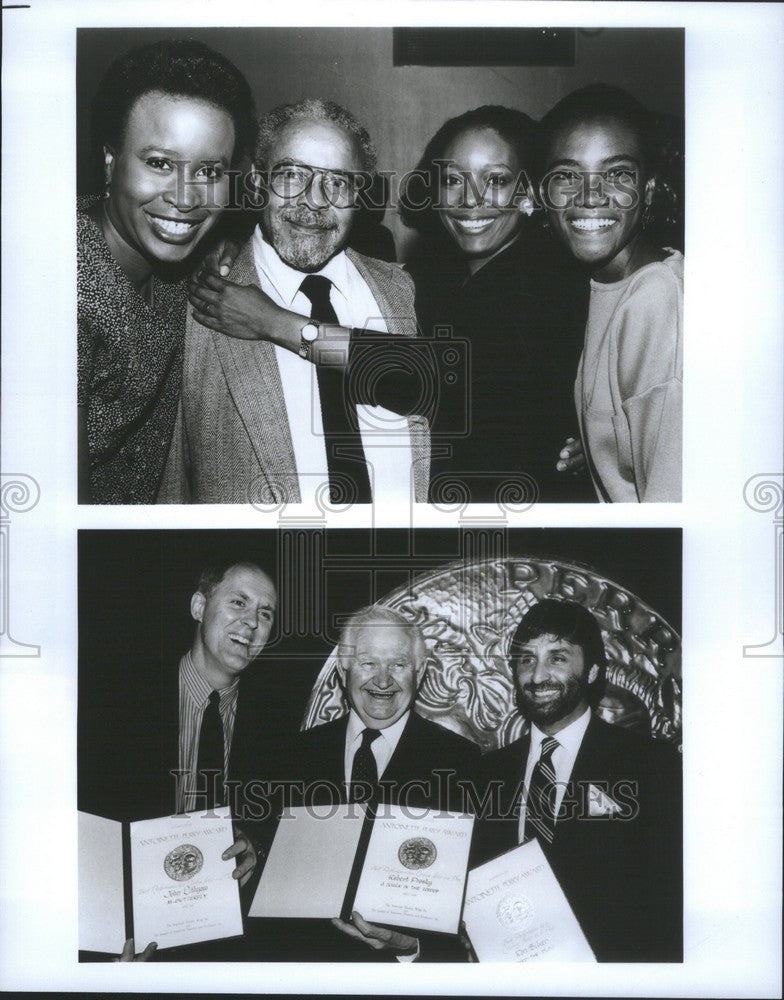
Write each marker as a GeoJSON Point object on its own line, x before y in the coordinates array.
{"type": "Point", "coordinates": [183, 862]}
{"type": "Point", "coordinates": [412, 874]}
{"type": "Point", "coordinates": [514, 911]}
{"type": "Point", "coordinates": [415, 869]}
{"type": "Point", "coordinates": [181, 888]}
{"type": "Point", "coordinates": [417, 852]}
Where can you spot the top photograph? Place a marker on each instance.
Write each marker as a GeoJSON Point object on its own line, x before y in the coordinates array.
{"type": "Point", "coordinates": [340, 266]}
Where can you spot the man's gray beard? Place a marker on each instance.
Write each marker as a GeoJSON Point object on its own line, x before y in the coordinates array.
{"type": "Point", "coordinates": [305, 253]}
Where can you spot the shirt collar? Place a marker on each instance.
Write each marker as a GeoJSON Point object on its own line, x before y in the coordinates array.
{"type": "Point", "coordinates": [286, 279]}
{"type": "Point", "coordinates": [570, 737]}
{"type": "Point", "coordinates": [198, 688]}
{"type": "Point", "coordinates": [391, 734]}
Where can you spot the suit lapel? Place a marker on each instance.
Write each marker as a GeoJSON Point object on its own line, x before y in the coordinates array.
{"type": "Point", "coordinates": [328, 762]}
{"type": "Point", "coordinates": [406, 761]}
{"type": "Point", "coordinates": [590, 767]}
{"type": "Point", "coordinates": [253, 379]}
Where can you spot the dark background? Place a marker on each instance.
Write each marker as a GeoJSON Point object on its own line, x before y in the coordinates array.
{"type": "Point", "coordinates": [135, 587]}
{"type": "Point", "coordinates": [402, 106]}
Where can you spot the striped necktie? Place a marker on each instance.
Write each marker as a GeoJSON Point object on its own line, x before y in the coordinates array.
{"type": "Point", "coordinates": [540, 802]}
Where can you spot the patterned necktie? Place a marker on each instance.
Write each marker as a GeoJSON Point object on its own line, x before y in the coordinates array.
{"type": "Point", "coordinates": [210, 757]}
{"type": "Point", "coordinates": [540, 803]}
{"type": "Point", "coordinates": [364, 773]}
{"type": "Point", "coordinates": [348, 475]}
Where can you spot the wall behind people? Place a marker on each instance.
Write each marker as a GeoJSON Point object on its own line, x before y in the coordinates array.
{"type": "Point", "coordinates": [402, 106]}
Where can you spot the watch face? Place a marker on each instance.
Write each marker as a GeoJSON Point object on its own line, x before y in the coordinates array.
{"type": "Point", "coordinates": [310, 331]}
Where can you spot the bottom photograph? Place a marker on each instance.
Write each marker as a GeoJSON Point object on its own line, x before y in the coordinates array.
{"type": "Point", "coordinates": [306, 745]}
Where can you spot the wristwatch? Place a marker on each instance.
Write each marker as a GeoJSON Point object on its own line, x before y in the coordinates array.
{"type": "Point", "coordinates": [309, 333]}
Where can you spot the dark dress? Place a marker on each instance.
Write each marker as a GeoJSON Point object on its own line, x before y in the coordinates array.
{"type": "Point", "coordinates": [129, 370]}
{"type": "Point", "coordinates": [518, 323]}
{"type": "Point", "coordinates": [493, 372]}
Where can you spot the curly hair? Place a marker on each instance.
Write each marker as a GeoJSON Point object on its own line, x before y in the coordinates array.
{"type": "Point", "coordinates": [514, 127]}
{"type": "Point", "coordinates": [180, 67]}
{"type": "Point", "coordinates": [312, 109]}
{"type": "Point", "coordinates": [571, 622]}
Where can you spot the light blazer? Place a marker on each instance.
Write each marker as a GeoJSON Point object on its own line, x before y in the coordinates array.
{"type": "Point", "coordinates": [622, 873]}
{"type": "Point", "coordinates": [232, 442]}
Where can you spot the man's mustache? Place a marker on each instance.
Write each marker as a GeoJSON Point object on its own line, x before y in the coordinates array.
{"type": "Point", "coordinates": [545, 686]}
{"type": "Point", "coordinates": [302, 216]}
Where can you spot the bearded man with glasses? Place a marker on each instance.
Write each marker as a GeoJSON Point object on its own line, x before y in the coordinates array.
{"type": "Point", "coordinates": [258, 423]}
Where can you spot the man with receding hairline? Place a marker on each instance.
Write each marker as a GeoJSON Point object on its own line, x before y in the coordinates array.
{"type": "Point", "coordinates": [258, 422]}
{"type": "Point", "coordinates": [380, 751]}
{"type": "Point", "coordinates": [167, 739]}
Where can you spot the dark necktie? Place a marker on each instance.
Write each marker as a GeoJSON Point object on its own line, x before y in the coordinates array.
{"type": "Point", "coordinates": [364, 773]}
{"type": "Point", "coordinates": [540, 804]}
{"type": "Point", "coordinates": [210, 757]}
{"type": "Point", "coordinates": [348, 474]}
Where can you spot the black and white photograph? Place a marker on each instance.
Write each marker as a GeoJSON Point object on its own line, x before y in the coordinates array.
{"type": "Point", "coordinates": [482, 296]}
{"type": "Point", "coordinates": [392, 499]}
{"type": "Point", "coordinates": [530, 679]}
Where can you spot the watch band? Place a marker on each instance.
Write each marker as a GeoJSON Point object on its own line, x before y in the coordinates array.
{"type": "Point", "coordinates": [309, 333]}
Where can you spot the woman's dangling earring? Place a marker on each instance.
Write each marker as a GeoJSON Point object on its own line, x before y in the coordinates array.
{"type": "Point", "coordinates": [107, 183]}
{"type": "Point", "coordinates": [647, 212]}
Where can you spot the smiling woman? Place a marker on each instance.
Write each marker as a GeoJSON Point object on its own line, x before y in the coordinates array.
{"type": "Point", "coordinates": [600, 182]}
{"type": "Point", "coordinates": [484, 273]}
{"type": "Point", "coordinates": [171, 119]}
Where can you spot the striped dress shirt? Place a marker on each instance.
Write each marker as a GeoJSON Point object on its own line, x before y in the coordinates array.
{"type": "Point", "coordinates": [194, 695]}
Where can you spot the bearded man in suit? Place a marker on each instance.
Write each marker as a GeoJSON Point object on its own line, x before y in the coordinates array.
{"type": "Point", "coordinates": [257, 422]}
{"type": "Point", "coordinates": [604, 803]}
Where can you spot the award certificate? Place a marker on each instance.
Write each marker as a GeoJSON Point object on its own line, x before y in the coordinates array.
{"type": "Point", "coordinates": [515, 911]}
{"type": "Point", "coordinates": [101, 885]}
{"type": "Point", "coordinates": [183, 891]}
{"type": "Point", "coordinates": [309, 864]}
{"type": "Point", "coordinates": [415, 870]}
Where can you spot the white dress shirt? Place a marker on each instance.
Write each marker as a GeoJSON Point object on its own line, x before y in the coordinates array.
{"type": "Point", "coordinates": [386, 439]}
{"type": "Point", "coordinates": [383, 747]}
{"type": "Point", "coordinates": [569, 740]}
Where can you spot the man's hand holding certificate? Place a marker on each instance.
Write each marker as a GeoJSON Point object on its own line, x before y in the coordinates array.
{"type": "Point", "coordinates": [412, 874]}
{"type": "Point", "coordinates": [181, 886]}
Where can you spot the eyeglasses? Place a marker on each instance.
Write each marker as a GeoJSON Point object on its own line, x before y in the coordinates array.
{"type": "Point", "coordinates": [289, 180]}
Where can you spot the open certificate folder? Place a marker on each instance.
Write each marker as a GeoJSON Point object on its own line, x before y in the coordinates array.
{"type": "Point", "coordinates": [181, 890]}
{"type": "Point", "coordinates": [409, 873]}
{"type": "Point", "coordinates": [516, 911]}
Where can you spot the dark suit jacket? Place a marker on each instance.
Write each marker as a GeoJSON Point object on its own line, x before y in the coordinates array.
{"type": "Point", "coordinates": [424, 771]}
{"type": "Point", "coordinates": [129, 741]}
{"type": "Point", "coordinates": [623, 874]}
{"type": "Point", "coordinates": [129, 738]}
{"type": "Point", "coordinates": [416, 773]}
